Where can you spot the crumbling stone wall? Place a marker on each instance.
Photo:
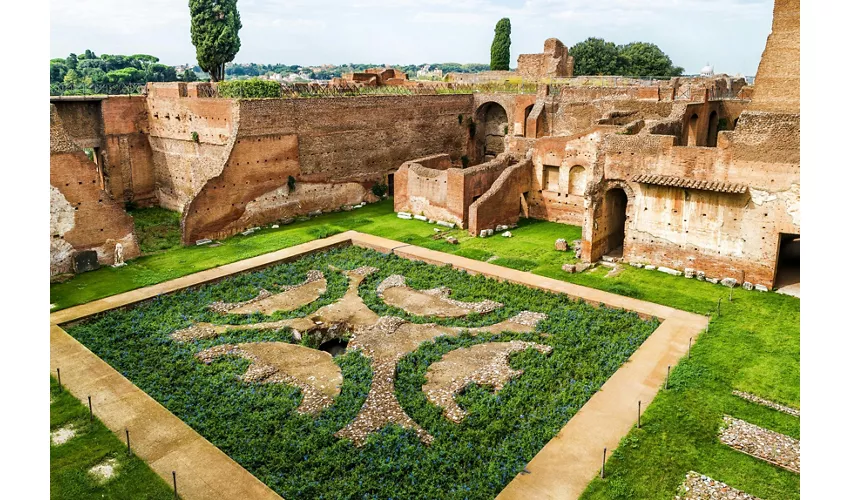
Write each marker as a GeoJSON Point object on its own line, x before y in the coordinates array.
{"type": "Point", "coordinates": [554, 62]}
{"type": "Point", "coordinates": [502, 203]}
{"type": "Point", "coordinates": [336, 149]}
{"type": "Point", "coordinates": [777, 86]}
{"type": "Point", "coordinates": [128, 160]}
{"type": "Point", "coordinates": [82, 215]}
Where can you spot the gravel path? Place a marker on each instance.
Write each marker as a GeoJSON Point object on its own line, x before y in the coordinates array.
{"type": "Point", "coordinates": [699, 487]}
{"type": "Point", "coordinates": [770, 446]}
{"type": "Point", "coordinates": [765, 402]}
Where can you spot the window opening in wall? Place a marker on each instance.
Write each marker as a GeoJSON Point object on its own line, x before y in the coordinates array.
{"type": "Point", "coordinates": [551, 177]}
{"type": "Point", "coordinates": [615, 212]}
{"type": "Point", "coordinates": [525, 120]}
{"type": "Point", "coordinates": [578, 180]}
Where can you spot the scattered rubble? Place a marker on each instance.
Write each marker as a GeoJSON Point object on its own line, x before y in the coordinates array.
{"type": "Point", "coordinates": [561, 245]}
{"type": "Point", "coordinates": [773, 447]}
{"type": "Point", "coordinates": [700, 487]}
{"type": "Point", "coordinates": [62, 434]}
{"type": "Point", "coordinates": [765, 402]}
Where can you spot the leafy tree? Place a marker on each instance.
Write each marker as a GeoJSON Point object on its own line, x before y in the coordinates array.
{"type": "Point", "coordinates": [71, 61]}
{"type": "Point", "coordinates": [189, 76]}
{"type": "Point", "coordinates": [215, 34]}
{"type": "Point", "coordinates": [646, 59]}
{"type": "Point", "coordinates": [595, 56]}
{"type": "Point", "coordinates": [500, 51]}
{"type": "Point", "coordinates": [57, 70]}
{"type": "Point", "coordinates": [71, 77]}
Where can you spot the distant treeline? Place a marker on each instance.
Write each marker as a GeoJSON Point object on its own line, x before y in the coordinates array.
{"type": "Point", "coordinates": [88, 68]}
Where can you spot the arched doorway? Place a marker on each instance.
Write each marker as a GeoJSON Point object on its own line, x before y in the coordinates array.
{"type": "Point", "coordinates": [692, 129]}
{"type": "Point", "coordinates": [493, 120]}
{"type": "Point", "coordinates": [713, 121]}
{"type": "Point", "coordinates": [787, 279]}
{"type": "Point", "coordinates": [616, 202]}
{"type": "Point", "coordinates": [526, 114]}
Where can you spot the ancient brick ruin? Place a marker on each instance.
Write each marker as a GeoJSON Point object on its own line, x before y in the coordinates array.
{"type": "Point", "coordinates": [700, 175]}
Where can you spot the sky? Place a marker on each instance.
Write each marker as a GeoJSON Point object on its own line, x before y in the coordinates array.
{"type": "Point", "coordinates": [729, 34]}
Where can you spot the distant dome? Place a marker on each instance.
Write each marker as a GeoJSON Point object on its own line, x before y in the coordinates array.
{"type": "Point", "coordinates": [707, 70]}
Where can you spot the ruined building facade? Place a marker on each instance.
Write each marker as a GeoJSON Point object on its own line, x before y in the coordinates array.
{"type": "Point", "coordinates": [698, 175]}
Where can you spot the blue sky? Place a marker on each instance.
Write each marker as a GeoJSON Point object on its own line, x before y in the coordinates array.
{"type": "Point", "coordinates": [728, 33]}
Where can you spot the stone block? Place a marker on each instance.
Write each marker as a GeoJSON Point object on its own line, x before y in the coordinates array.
{"type": "Point", "coordinates": [507, 234]}
{"type": "Point", "coordinates": [431, 221]}
{"type": "Point", "coordinates": [203, 242]}
{"type": "Point", "coordinates": [452, 240]}
{"type": "Point", "coordinates": [443, 223]}
{"type": "Point", "coordinates": [582, 266]}
{"type": "Point", "coordinates": [561, 245]}
{"type": "Point", "coordinates": [420, 217]}
{"type": "Point", "coordinates": [713, 281]}
{"type": "Point", "coordinates": [85, 261]}
{"type": "Point", "coordinates": [636, 264]}
{"type": "Point", "coordinates": [761, 288]}
{"type": "Point", "coordinates": [690, 272]}
{"type": "Point", "coordinates": [501, 227]}
{"type": "Point", "coordinates": [315, 213]}
{"type": "Point", "coordinates": [670, 271]}
{"type": "Point", "coordinates": [403, 215]}
{"type": "Point", "coordinates": [570, 268]}
{"type": "Point", "coordinates": [489, 232]}
{"type": "Point", "coordinates": [483, 233]}
{"type": "Point", "coordinates": [649, 267]}
{"type": "Point", "coordinates": [701, 275]}
{"type": "Point", "coordinates": [275, 226]}
{"type": "Point", "coordinates": [730, 282]}
{"type": "Point", "coordinates": [747, 285]}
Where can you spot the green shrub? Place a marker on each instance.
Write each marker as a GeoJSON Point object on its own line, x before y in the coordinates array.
{"type": "Point", "coordinates": [195, 137]}
{"type": "Point", "coordinates": [380, 189]}
{"type": "Point", "coordinates": [464, 160]}
{"type": "Point", "coordinates": [470, 123]}
{"type": "Point", "coordinates": [249, 89]}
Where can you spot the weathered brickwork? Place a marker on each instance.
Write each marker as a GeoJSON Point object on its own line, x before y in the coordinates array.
{"type": "Point", "coordinates": [83, 216]}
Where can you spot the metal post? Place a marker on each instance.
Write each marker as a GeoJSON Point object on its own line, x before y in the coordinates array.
{"type": "Point", "coordinates": [174, 477]}
{"type": "Point", "coordinates": [689, 347]}
{"type": "Point", "coordinates": [602, 473]}
{"type": "Point", "coordinates": [730, 295]}
{"type": "Point", "coordinates": [59, 378]}
{"type": "Point", "coordinates": [127, 432]}
{"type": "Point", "coordinates": [718, 306]}
{"type": "Point", "coordinates": [667, 381]}
{"type": "Point", "coordinates": [638, 414]}
{"type": "Point", "coordinates": [91, 415]}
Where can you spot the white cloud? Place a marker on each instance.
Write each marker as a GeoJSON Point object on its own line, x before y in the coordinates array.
{"type": "Point", "coordinates": [729, 33]}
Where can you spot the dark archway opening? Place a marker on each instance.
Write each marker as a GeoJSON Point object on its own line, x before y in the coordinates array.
{"type": "Point", "coordinates": [390, 184]}
{"type": "Point", "coordinates": [788, 264]}
{"type": "Point", "coordinates": [525, 120]}
{"type": "Point", "coordinates": [493, 122]}
{"type": "Point", "coordinates": [713, 121]}
{"type": "Point", "coordinates": [615, 216]}
{"type": "Point", "coordinates": [334, 347]}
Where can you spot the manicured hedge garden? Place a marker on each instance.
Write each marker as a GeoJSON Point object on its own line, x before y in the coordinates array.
{"type": "Point", "coordinates": [298, 455]}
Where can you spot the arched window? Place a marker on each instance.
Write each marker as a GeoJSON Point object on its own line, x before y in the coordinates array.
{"type": "Point", "coordinates": [713, 122]}
{"type": "Point", "coordinates": [578, 180]}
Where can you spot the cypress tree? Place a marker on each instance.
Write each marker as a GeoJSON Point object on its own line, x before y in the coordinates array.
{"type": "Point", "coordinates": [215, 34]}
{"type": "Point", "coordinates": [500, 51]}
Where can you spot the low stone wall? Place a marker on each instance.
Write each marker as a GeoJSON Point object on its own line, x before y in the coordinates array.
{"type": "Point", "coordinates": [502, 203]}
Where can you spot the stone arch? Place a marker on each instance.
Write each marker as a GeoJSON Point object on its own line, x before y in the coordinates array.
{"type": "Point", "coordinates": [492, 120]}
{"type": "Point", "coordinates": [577, 181]}
{"type": "Point", "coordinates": [713, 124]}
{"type": "Point", "coordinates": [601, 230]}
{"type": "Point", "coordinates": [693, 123]}
{"type": "Point", "coordinates": [525, 115]}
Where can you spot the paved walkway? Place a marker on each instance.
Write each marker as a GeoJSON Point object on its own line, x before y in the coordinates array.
{"type": "Point", "coordinates": [562, 469]}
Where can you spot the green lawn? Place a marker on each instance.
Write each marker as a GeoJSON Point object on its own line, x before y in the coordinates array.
{"type": "Point", "coordinates": [531, 247]}
{"type": "Point", "coordinates": [157, 229]}
{"type": "Point", "coordinates": [94, 443]}
{"type": "Point", "coordinates": [754, 345]}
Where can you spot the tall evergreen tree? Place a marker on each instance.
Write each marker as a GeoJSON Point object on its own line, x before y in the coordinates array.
{"type": "Point", "coordinates": [500, 51]}
{"type": "Point", "coordinates": [215, 34]}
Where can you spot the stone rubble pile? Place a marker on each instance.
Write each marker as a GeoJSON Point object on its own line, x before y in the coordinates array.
{"type": "Point", "coordinates": [700, 487]}
{"type": "Point", "coordinates": [758, 442]}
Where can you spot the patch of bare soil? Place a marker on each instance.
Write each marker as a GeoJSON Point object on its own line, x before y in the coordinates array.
{"type": "Point", "coordinates": [105, 470]}
{"type": "Point", "coordinates": [292, 297]}
{"type": "Point", "coordinates": [482, 364]}
{"type": "Point", "coordinates": [311, 370]}
{"type": "Point", "coordinates": [432, 302]}
{"type": "Point", "coordinates": [62, 435]}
